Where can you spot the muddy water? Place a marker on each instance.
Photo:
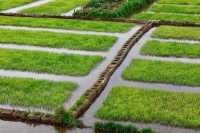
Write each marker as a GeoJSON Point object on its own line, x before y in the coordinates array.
{"type": "Point", "coordinates": [19, 127]}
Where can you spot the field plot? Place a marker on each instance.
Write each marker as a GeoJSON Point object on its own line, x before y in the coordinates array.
{"type": "Point", "coordinates": [46, 63]}
{"type": "Point", "coordinates": [157, 85]}
{"type": "Point", "coordinates": [69, 24]}
{"type": "Point", "coordinates": [42, 7]}
{"type": "Point", "coordinates": [133, 104]}
{"type": "Point", "coordinates": [35, 93]}
{"type": "Point", "coordinates": [56, 7]}
{"type": "Point", "coordinates": [111, 9]}
{"type": "Point", "coordinates": [6, 4]}
{"type": "Point", "coordinates": [177, 10]}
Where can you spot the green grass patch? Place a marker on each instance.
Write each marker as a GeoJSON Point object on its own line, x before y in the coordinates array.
{"type": "Point", "coordinates": [75, 65]}
{"type": "Point", "coordinates": [112, 8]}
{"type": "Point", "coordinates": [7, 4]}
{"type": "Point", "coordinates": [158, 48]}
{"type": "Point", "coordinates": [56, 7]}
{"type": "Point", "coordinates": [138, 105]}
{"type": "Point", "coordinates": [173, 8]}
{"type": "Point", "coordinates": [163, 72]}
{"type": "Point", "coordinates": [70, 24]}
{"type": "Point", "coordinates": [179, 2]}
{"type": "Point", "coordinates": [111, 127]}
{"type": "Point", "coordinates": [189, 33]}
{"type": "Point", "coordinates": [167, 17]}
{"type": "Point", "coordinates": [64, 117]}
{"type": "Point", "coordinates": [34, 93]}
{"type": "Point", "coordinates": [78, 103]}
{"type": "Point", "coordinates": [57, 40]}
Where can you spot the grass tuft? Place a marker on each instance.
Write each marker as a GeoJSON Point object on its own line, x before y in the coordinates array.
{"type": "Point", "coordinates": [118, 128]}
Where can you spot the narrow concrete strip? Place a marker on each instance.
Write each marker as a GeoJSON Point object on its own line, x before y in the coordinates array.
{"type": "Point", "coordinates": [158, 86]}
{"type": "Point", "coordinates": [52, 50]}
{"type": "Point", "coordinates": [61, 30]}
{"type": "Point", "coordinates": [42, 76]}
{"type": "Point", "coordinates": [70, 13]}
{"type": "Point", "coordinates": [23, 7]}
{"type": "Point", "coordinates": [170, 59]}
{"type": "Point", "coordinates": [176, 40]}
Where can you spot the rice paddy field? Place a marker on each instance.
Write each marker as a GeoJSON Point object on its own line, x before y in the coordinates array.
{"type": "Point", "coordinates": [60, 56]}
{"type": "Point", "coordinates": [158, 82]}
{"type": "Point", "coordinates": [88, 64]}
{"type": "Point", "coordinates": [171, 10]}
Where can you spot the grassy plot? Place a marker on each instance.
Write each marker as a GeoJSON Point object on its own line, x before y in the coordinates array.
{"type": "Point", "coordinates": [112, 127]}
{"type": "Point", "coordinates": [173, 8]}
{"type": "Point", "coordinates": [56, 7]}
{"type": "Point", "coordinates": [112, 8]}
{"type": "Point", "coordinates": [189, 33]}
{"type": "Point", "coordinates": [34, 93]}
{"type": "Point", "coordinates": [157, 48]}
{"type": "Point", "coordinates": [47, 62]}
{"type": "Point", "coordinates": [164, 72]}
{"type": "Point", "coordinates": [57, 40]}
{"type": "Point", "coordinates": [70, 24]}
{"type": "Point", "coordinates": [179, 1]}
{"type": "Point", "coordinates": [7, 4]}
{"type": "Point", "coordinates": [167, 16]}
{"type": "Point", "coordinates": [133, 104]}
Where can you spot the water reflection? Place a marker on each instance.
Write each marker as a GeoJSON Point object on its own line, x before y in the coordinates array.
{"type": "Point", "coordinates": [20, 127]}
{"type": "Point", "coordinates": [13, 127]}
